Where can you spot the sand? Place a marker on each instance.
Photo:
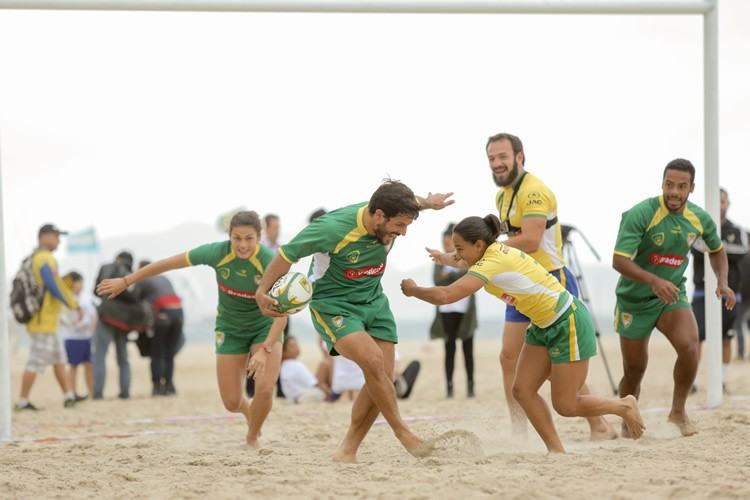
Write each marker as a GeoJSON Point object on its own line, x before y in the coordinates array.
{"type": "Point", "coordinates": [189, 447]}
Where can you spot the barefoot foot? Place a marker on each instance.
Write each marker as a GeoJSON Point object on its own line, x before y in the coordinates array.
{"type": "Point", "coordinates": [687, 428]}
{"type": "Point", "coordinates": [631, 419]}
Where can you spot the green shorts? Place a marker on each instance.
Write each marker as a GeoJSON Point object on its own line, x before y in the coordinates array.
{"type": "Point", "coordinates": [635, 319]}
{"type": "Point", "coordinates": [232, 340]}
{"type": "Point", "coordinates": [335, 319]}
{"type": "Point", "coordinates": [571, 338]}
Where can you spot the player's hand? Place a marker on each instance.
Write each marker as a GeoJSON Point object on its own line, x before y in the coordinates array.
{"type": "Point", "coordinates": [438, 201]}
{"type": "Point", "coordinates": [729, 298]}
{"type": "Point", "coordinates": [111, 288]}
{"type": "Point", "coordinates": [666, 291]}
{"type": "Point", "coordinates": [408, 286]}
{"type": "Point", "coordinates": [267, 305]}
{"type": "Point", "coordinates": [256, 365]}
{"type": "Point", "coordinates": [438, 257]}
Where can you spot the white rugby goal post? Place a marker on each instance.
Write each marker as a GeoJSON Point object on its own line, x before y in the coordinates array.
{"type": "Point", "coordinates": [705, 8]}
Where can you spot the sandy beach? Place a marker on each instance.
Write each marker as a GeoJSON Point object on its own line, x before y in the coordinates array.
{"type": "Point", "coordinates": [189, 447]}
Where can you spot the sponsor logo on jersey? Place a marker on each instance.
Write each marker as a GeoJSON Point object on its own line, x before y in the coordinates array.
{"type": "Point", "coordinates": [627, 319]}
{"type": "Point", "coordinates": [659, 259]}
{"type": "Point", "coordinates": [242, 273]}
{"type": "Point", "coordinates": [534, 200]}
{"type": "Point", "coordinates": [338, 322]}
{"type": "Point", "coordinates": [658, 239]}
{"type": "Point", "coordinates": [236, 293]}
{"type": "Point", "coordinates": [257, 279]}
{"type": "Point", "coordinates": [366, 271]}
{"type": "Point", "coordinates": [508, 299]}
{"type": "Point", "coordinates": [554, 351]}
{"type": "Point", "coordinates": [219, 338]}
{"type": "Point", "coordinates": [225, 273]}
{"type": "Point", "coordinates": [353, 256]}
{"type": "Point", "coordinates": [676, 230]}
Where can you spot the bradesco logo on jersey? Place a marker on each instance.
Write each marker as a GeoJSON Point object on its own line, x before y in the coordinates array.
{"type": "Point", "coordinates": [667, 260]}
{"type": "Point", "coordinates": [363, 272]}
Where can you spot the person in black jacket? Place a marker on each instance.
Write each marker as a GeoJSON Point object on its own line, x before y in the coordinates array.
{"type": "Point", "coordinates": [734, 240]}
{"type": "Point", "coordinates": [117, 318]}
{"type": "Point", "coordinates": [166, 308]}
{"type": "Point", "coordinates": [456, 321]}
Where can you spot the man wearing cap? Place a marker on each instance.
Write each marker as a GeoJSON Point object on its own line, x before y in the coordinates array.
{"type": "Point", "coordinates": [46, 348]}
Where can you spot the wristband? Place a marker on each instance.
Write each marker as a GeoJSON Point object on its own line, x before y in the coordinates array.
{"type": "Point", "coordinates": [125, 279]}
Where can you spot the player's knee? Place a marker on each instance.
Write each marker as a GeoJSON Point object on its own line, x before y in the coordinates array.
{"type": "Point", "coordinates": [264, 392]}
{"type": "Point", "coordinates": [565, 407]}
{"type": "Point", "coordinates": [232, 404]}
{"type": "Point", "coordinates": [634, 370]}
{"type": "Point", "coordinates": [508, 361]}
{"type": "Point", "coordinates": [373, 364]}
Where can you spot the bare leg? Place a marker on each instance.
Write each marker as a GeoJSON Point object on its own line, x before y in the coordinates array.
{"type": "Point", "coordinates": [533, 370]}
{"type": "Point", "coordinates": [513, 341]}
{"type": "Point", "coordinates": [680, 328]}
{"type": "Point", "coordinates": [27, 380]}
{"type": "Point", "coordinates": [601, 430]}
{"type": "Point", "coordinates": [72, 370]}
{"type": "Point", "coordinates": [378, 392]}
{"type": "Point", "coordinates": [88, 371]}
{"type": "Point", "coordinates": [265, 388]}
{"type": "Point", "coordinates": [568, 400]}
{"type": "Point", "coordinates": [231, 374]}
{"type": "Point", "coordinates": [62, 377]}
{"type": "Point", "coordinates": [634, 363]}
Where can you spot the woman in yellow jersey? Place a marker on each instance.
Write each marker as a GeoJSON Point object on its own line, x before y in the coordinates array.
{"type": "Point", "coordinates": [559, 341]}
{"type": "Point", "coordinates": [247, 343]}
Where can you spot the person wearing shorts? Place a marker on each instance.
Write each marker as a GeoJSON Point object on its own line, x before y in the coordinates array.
{"type": "Point", "coordinates": [558, 343]}
{"type": "Point", "coordinates": [349, 310]}
{"type": "Point", "coordinates": [46, 348]}
{"type": "Point", "coordinates": [77, 334]}
{"type": "Point", "coordinates": [653, 242]}
{"type": "Point", "coordinates": [527, 209]}
{"type": "Point", "coordinates": [247, 343]}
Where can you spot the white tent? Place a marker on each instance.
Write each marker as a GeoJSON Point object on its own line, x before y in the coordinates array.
{"type": "Point", "coordinates": [706, 8]}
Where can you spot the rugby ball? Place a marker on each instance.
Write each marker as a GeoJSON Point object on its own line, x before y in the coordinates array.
{"type": "Point", "coordinates": [293, 291]}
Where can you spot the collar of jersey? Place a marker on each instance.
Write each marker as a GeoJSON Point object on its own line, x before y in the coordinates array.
{"type": "Point", "coordinates": [229, 258]}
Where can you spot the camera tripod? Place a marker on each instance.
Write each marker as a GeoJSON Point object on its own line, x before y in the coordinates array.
{"type": "Point", "coordinates": [571, 257]}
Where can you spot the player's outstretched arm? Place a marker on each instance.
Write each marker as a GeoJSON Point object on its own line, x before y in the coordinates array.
{"type": "Point", "coordinates": [439, 295]}
{"type": "Point", "coordinates": [665, 290]}
{"type": "Point", "coordinates": [115, 286]}
{"type": "Point", "coordinates": [435, 201]}
{"type": "Point", "coordinates": [276, 269]}
{"type": "Point", "coordinates": [446, 259]}
{"type": "Point", "coordinates": [720, 266]}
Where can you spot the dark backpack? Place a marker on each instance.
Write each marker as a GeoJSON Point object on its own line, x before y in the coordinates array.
{"type": "Point", "coordinates": [26, 295]}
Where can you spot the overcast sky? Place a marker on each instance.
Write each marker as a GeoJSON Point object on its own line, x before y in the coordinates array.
{"type": "Point", "coordinates": [137, 122]}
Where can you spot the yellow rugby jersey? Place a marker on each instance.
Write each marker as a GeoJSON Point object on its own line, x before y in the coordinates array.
{"type": "Point", "coordinates": [515, 278]}
{"type": "Point", "coordinates": [533, 199]}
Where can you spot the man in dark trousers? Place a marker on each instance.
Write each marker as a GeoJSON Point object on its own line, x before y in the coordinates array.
{"type": "Point", "coordinates": [168, 318]}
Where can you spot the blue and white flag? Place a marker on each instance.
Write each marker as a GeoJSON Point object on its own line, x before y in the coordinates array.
{"type": "Point", "coordinates": [82, 241]}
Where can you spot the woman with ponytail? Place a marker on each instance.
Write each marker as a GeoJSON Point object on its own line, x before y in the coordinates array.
{"type": "Point", "coordinates": [560, 340]}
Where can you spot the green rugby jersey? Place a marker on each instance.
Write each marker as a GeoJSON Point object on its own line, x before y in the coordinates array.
{"type": "Point", "coordinates": [659, 242]}
{"type": "Point", "coordinates": [237, 280]}
{"type": "Point", "coordinates": [356, 259]}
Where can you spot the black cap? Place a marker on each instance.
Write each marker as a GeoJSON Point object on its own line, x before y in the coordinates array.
{"type": "Point", "coordinates": [50, 228]}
